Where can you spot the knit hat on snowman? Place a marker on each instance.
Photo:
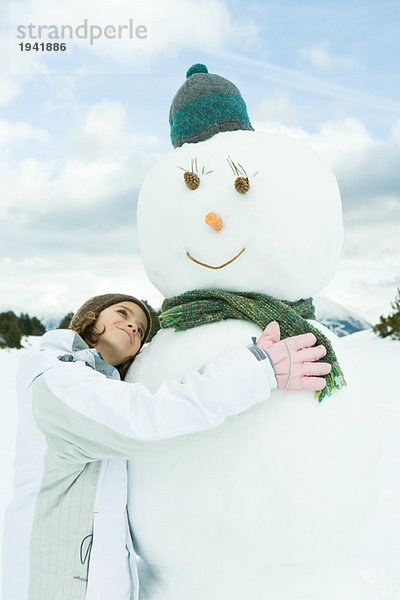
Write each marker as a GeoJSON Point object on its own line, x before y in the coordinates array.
{"type": "Point", "coordinates": [204, 105]}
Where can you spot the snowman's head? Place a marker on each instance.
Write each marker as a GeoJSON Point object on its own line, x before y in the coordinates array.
{"type": "Point", "coordinates": [282, 237]}
{"type": "Point", "coordinates": [235, 209]}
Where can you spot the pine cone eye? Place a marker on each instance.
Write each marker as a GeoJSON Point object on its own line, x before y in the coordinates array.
{"type": "Point", "coordinates": [242, 185]}
{"type": "Point", "coordinates": [191, 179]}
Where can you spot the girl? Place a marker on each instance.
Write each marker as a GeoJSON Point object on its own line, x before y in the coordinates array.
{"type": "Point", "coordinates": [78, 423]}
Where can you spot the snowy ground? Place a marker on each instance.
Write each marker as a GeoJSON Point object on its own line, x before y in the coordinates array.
{"type": "Point", "coordinates": [376, 551]}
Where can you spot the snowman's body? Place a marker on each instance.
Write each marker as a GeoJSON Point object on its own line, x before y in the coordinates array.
{"type": "Point", "coordinates": [264, 506]}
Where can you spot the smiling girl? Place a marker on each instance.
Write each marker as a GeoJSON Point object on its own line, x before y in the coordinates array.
{"type": "Point", "coordinates": [66, 535]}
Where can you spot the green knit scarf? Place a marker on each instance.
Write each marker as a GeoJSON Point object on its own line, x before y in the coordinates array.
{"type": "Point", "coordinates": [199, 307]}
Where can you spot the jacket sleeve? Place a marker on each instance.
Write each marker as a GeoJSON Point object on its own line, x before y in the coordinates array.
{"type": "Point", "coordinates": [89, 417]}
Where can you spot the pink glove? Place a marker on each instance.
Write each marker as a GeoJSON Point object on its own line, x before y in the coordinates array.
{"type": "Point", "coordinates": [294, 359]}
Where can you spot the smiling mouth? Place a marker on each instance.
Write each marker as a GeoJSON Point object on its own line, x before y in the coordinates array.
{"type": "Point", "coordinates": [120, 328]}
{"type": "Point", "coordinates": [210, 266]}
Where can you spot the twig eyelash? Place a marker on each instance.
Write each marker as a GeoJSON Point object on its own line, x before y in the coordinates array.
{"type": "Point", "coordinates": [194, 167]}
{"type": "Point", "coordinates": [239, 170]}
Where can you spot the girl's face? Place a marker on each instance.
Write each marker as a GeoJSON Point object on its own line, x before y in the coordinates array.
{"type": "Point", "coordinates": [122, 327]}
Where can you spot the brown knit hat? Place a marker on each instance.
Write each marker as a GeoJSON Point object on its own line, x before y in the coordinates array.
{"type": "Point", "coordinates": [88, 313]}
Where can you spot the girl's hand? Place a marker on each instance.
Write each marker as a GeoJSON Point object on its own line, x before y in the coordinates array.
{"type": "Point", "coordinates": [294, 359]}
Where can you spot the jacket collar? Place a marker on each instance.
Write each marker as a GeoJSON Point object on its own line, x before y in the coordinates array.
{"type": "Point", "coordinates": [71, 348]}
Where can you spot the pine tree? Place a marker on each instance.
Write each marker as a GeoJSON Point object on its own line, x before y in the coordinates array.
{"type": "Point", "coordinates": [390, 325]}
{"type": "Point", "coordinates": [30, 325]}
{"type": "Point", "coordinates": [64, 323]}
{"type": "Point", "coordinates": [10, 333]}
{"type": "Point", "coordinates": [37, 327]}
{"type": "Point", "coordinates": [25, 324]}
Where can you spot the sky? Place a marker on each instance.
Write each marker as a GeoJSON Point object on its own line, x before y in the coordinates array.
{"type": "Point", "coordinates": [80, 128]}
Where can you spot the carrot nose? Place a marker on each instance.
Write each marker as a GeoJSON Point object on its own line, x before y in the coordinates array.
{"type": "Point", "coordinates": [214, 221]}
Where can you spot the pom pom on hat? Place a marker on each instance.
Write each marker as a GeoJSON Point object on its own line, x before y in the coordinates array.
{"type": "Point", "coordinates": [197, 68]}
{"type": "Point", "coordinates": [204, 105]}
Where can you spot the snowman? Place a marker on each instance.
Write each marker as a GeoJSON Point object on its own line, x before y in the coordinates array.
{"type": "Point", "coordinates": [238, 228]}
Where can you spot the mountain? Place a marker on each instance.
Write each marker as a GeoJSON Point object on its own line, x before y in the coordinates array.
{"type": "Point", "coordinates": [337, 318]}
{"type": "Point", "coordinates": [51, 321]}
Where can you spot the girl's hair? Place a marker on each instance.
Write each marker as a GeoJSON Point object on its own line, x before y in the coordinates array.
{"type": "Point", "coordinates": [84, 321]}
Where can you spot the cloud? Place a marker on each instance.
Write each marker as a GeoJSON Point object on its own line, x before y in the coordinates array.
{"type": "Point", "coordinates": [15, 133]}
{"type": "Point", "coordinates": [207, 25]}
{"type": "Point", "coordinates": [80, 207]}
{"type": "Point", "coordinates": [171, 27]}
{"type": "Point", "coordinates": [8, 87]}
{"type": "Point", "coordinates": [11, 80]}
{"type": "Point", "coordinates": [8, 90]}
{"type": "Point", "coordinates": [320, 58]}
{"type": "Point", "coordinates": [68, 225]}
{"type": "Point", "coordinates": [278, 108]}
{"type": "Point", "coordinates": [342, 141]}
{"type": "Point", "coordinates": [105, 161]}
{"type": "Point", "coordinates": [60, 283]}
{"type": "Point", "coordinates": [367, 167]}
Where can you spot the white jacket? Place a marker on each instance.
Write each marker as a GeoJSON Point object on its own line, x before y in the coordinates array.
{"type": "Point", "coordinates": [66, 533]}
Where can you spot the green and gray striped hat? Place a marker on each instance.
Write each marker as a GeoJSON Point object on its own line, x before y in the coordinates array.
{"type": "Point", "coordinates": [204, 105]}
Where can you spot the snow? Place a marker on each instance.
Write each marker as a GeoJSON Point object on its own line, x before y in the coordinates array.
{"type": "Point", "coordinates": [375, 550]}
{"type": "Point", "coordinates": [287, 483]}
{"type": "Point", "coordinates": [270, 504]}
